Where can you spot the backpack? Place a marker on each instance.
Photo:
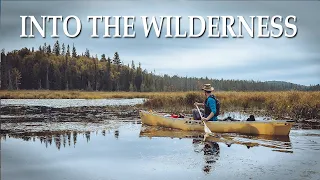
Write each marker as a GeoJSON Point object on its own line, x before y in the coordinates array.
{"type": "Point", "coordinates": [217, 105]}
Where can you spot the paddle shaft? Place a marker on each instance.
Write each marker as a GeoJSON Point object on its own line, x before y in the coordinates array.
{"type": "Point", "coordinates": [205, 126]}
{"type": "Point", "coordinates": [199, 111]}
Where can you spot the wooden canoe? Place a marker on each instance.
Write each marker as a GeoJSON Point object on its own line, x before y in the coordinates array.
{"type": "Point", "coordinates": [273, 128]}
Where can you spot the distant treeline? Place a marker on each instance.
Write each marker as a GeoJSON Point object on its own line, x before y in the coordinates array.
{"type": "Point", "coordinates": [61, 67]}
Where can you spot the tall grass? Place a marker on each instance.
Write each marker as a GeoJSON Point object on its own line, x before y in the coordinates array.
{"type": "Point", "coordinates": [296, 104]}
{"type": "Point", "coordinates": [49, 94]}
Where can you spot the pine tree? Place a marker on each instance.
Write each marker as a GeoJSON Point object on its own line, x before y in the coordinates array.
{"type": "Point", "coordinates": [74, 52]}
{"type": "Point", "coordinates": [63, 50]}
{"type": "Point", "coordinates": [103, 58]}
{"type": "Point", "coordinates": [68, 51]}
{"type": "Point", "coordinates": [56, 49]}
{"type": "Point", "coordinates": [49, 49]}
{"type": "Point", "coordinates": [3, 67]}
{"type": "Point", "coordinates": [95, 71]}
{"type": "Point", "coordinates": [66, 75]}
{"type": "Point", "coordinates": [138, 78]}
{"type": "Point", "coordinates": [45, 48]}
{"type": "Point", "coordinates": [108, 83]}
{"type": "Point", "coordinates": [87, 53]}
{"type": "Point", "coordinates": [116, 59]}
{"type": "Point", "coordinates": [132, 75]}
{"type": "Point", "coordinates": [47, 78]}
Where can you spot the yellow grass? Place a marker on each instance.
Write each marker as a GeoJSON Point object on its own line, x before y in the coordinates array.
{"type": "Point", "coordinates": [297, 104]}
{"type": "Point", "coordinates": [49, 94]}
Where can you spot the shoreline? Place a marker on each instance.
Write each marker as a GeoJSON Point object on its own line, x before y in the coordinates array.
{"type": "Point", "coordinates": [101, 114]}
{"type": "Point", "coordinates": [82, 94]}
{"type": "Point", "coordinates": [298, 105]}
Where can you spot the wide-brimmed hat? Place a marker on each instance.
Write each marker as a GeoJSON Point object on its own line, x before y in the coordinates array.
{"type": "Point", "coordinates": [207, 87]}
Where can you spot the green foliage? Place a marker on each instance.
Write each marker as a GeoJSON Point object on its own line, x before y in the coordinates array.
{"type": "Point", "coordinates": [61, 70]}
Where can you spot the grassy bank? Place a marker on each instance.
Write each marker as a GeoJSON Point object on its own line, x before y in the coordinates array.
{"type": "Point", "coordinates": [296, 104]}
{"type": "Point", "coordinates": [48, 94]}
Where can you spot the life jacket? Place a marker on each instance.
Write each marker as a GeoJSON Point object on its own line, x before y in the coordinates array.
{"type": "Point", "coordinates": [207, 109]}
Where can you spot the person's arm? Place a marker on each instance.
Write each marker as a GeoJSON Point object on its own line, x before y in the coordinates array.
{"type": "Point", "coordinates": [209, 117]}
{"type": "Point", "coordinates": [212, 106]}
{"type": "Point", "coordinates": [199, 104]}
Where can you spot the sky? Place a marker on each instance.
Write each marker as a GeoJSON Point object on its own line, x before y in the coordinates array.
{"type": "Point", "coordinates": [295, 60]}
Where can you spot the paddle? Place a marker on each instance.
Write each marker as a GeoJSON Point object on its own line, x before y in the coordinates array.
{"type": "Point", "coordinates": [206, 129]}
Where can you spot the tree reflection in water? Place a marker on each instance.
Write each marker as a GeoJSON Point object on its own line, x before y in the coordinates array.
{"type": "Point", "coordinates": [59, 138]}
{"type": "Point", "coordinates": [211, 151]}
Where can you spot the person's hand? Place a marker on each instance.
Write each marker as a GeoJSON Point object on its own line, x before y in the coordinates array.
{"type": "Point", "coordinates": [196, 103]}
{"type": "Point", "coordinates": [204, 119]}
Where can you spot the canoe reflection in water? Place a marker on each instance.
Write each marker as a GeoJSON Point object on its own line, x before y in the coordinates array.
{"type": "Point", "coordinates": [209, 144]}
{"type": "Point", "coordinates": [211, 151]}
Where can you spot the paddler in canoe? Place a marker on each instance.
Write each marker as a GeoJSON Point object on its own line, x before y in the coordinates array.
{"type": "Point", "coordinates": [211, 105]}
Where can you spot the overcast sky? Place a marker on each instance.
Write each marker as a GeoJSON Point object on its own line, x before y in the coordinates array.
{"type": "Point", "coordinates": [294, 60]}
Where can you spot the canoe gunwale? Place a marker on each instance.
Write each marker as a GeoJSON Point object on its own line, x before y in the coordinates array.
{"type": "Point", "coordinates": [222, 122]}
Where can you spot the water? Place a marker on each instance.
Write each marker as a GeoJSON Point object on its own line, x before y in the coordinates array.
{"type": "Point", "coordinates": [61, 103]}
{"type": "Point", "coordinates": [129, 150]}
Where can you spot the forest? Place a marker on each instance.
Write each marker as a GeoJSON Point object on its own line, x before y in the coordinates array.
{"type": "Point", "coordinates": [61, 67]}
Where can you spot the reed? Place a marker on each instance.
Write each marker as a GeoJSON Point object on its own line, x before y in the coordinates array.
{"type": "Point", "coordinates": [295, 104]}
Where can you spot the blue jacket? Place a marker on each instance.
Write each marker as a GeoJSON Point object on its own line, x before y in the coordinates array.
{"type": "Point", "coordinates": [211, 103]}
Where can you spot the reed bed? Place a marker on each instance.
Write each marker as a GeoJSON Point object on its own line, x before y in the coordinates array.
{"type": "Point", "coordinates": [295, 104]}
{"type": "Point", "coordinates": [50, 94]}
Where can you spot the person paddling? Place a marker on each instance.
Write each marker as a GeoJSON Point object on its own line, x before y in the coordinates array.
{"type": "Point", "coordinates": [211, 105]}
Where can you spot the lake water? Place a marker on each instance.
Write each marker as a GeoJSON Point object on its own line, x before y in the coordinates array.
{"type": "Point", "coordinates": [61, 103]}
{"type": "Point", "coordinates": [125, 149]}
{"type": "Point", "coordinates": [129, 150]}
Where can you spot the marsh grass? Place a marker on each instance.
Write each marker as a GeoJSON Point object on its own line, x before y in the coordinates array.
{"type": "Point", "coordinates": [295, 104]}
{"type": "Point", "coordinates": [49, 94]}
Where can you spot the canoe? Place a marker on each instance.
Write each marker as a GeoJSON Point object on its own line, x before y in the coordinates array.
{"type": "Point", "coordinates": [273, 128]}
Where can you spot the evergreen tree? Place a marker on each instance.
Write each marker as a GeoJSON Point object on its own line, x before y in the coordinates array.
{"type": "Point", "coordinates": [108, 83]}
{"type": "Point", "coordinates": [63, 52]}
{"type": "Point", "coordinates": [48, 49]}
{"type": "Point", "coordinates": [3, 70]}
{"type": "Point", "coordinates": [56, 49]}
{"type": "Point", "coordinates": [95, 71]}
{"type": "Point", "coordinates": [45, 48]}
{"type": "Point", "coordinates": [116, 59]}
{"type": "Point", "coordinates": [103, 58]}
{"type": "Point", "coordinates": [87, 53]}
{"type": "Point", "coordinates": [138, 78]}
{"type": "Point", "coordinates": [74, 52]}
{"type": "Point", "coordinates": [68, 51]}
